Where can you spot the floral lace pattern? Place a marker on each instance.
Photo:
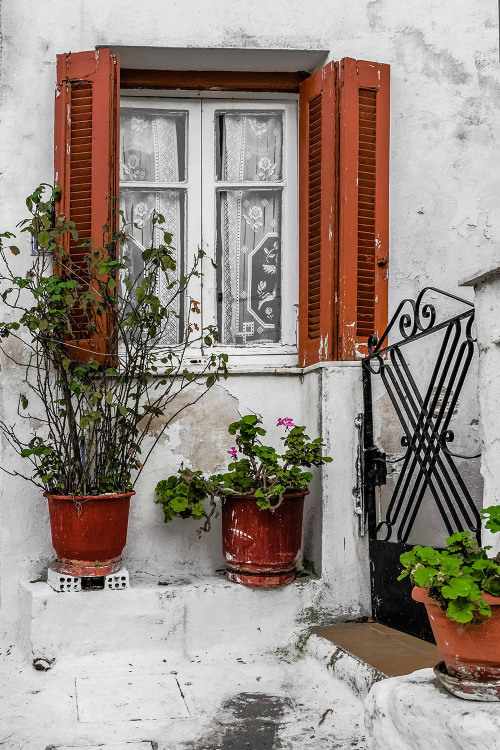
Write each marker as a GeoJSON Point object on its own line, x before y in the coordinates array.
{"type": "Point", "coordinates": [152, 146]}
{"type": "Point", "coordinates": [138, 207]}
{"type": "Point", "coordinates": [249, 252]}
{"type": "Point", "coordinates": [251, 147]}
{"type": "Point", "coordinates": [249, 231]}
{"type": "Point", "coordinates": [153, 150]}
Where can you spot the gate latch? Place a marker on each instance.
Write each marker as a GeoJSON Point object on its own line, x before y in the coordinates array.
{"type": "Point", "coordinates": [376, 466]}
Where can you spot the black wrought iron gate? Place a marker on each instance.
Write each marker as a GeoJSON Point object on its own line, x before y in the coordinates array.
{"type": "Point", "coordinates": [422, 495]}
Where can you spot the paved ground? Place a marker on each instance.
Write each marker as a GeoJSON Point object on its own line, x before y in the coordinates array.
{"type": "Point", "coordinates": [165, 702]}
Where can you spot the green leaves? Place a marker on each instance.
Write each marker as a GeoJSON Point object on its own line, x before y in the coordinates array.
{"type": "Point", "coordinates": [249, 419]}
{"type": "Point", "coordinates": [100, 308]}
{"type": "Point", "coordinates": [423, 575]}
{"type": "Point", "coordinates": [456, 577]}
{"type": "Point", "coordinates": [182, 496]}
{"type": "Point", "coordinates": [461, 610]}
{"type": "Point", "coordinates": [492, 516]}
{"type": "Point", "coordinates": [255, 469]}
{"type": "Point", "coordinates": [492, 585]}
{"type": "Point", "coordinates": [456, 587]}
{"type": "Point", "coordinates": [43, 239]}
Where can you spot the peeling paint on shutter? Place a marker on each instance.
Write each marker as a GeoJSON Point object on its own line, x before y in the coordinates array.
{"type": "Point", "coordinates": [318, 215]}
{"type": "Point", "coordinates": [364, 204]}
{"type": "Point", "coordinates": [85, 158]}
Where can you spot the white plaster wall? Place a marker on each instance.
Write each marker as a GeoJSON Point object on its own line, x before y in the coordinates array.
{"type": "Point", "coordinates": [444, 214]}
{"type": "Point", "coordinates": [487, 304]}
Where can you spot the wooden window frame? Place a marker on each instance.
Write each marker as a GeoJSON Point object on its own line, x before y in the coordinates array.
{"type": "Point", "coordinates": [211, 80]}
{"type": "Point", "coordinates": [353, 220]}
{"type": "Point", "coordinates": [283, 354]}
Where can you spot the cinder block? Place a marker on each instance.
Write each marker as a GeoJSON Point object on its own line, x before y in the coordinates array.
{"type": "Point", "coordinates": [63, 582]}
{"type": "Point", "coordinates": [118, 580]}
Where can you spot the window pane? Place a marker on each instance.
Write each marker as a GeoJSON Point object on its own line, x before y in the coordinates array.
{"type": "Point", "coordinates": [138, 207]}
{"type": "Point", "coordinates": [152, 146]}
{"type": "Point", "coordinates": [249, 147]}
{"type": "Point", "coordinates": [249, 266]}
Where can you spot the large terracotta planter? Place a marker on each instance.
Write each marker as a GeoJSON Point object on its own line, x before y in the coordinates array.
{"type": "Point", "coordinates": [472, 651]}
{"type": "Point", "coordinates": [261, 546]}
{"type": "Point", "coordinates": [89, 532]}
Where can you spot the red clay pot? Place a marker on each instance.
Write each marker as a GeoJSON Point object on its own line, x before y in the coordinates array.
{"type": "Point", "coordinates": [89, 532]}
{"type": "Point", "coordinates": [472, 651]}
{"type": "Point", "coordinates": [261, 546]}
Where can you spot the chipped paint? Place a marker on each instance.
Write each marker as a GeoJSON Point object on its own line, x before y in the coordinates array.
{"type": "Point", "coordinates": [240, 533]}
{"type": "Point", "coordinates": [444, 86]}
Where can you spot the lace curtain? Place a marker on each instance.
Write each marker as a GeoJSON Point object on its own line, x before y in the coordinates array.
{"type": "Point", "coordinates": [249, 228]}
{"type": "Point", "coordinates": [249, 247]}
{"type": "Point", "coordinates": [152, 151]}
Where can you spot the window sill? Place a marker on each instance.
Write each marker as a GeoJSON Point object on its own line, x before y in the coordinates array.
{"type": "Point", "coordinates": [274, 369]}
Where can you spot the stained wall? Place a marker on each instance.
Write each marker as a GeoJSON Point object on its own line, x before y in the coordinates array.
{"type": "Point", "coordinates": [444, 208]}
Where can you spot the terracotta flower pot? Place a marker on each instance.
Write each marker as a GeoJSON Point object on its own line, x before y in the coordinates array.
{"type": "Point", "coordinates": [472, 651]}
{"type": "Point", "coordinates": [261, 546]}
{"type": "Point", "coordinates": [89, 532]}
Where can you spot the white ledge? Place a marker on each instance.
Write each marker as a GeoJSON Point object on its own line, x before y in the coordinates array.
{"type": "Point", "coordinates": [253, 59]}
{"type": "Point", "coordinates": [486, 273]}
{"type": "Point", "coordinates": [260, 369]}
{"type": "Point", "coordinates": [415, 712]}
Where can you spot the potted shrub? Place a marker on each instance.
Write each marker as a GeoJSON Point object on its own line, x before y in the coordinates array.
{"type": "Point", "coordinates": [104, 356]}
{"type": "Point", "coordinates": [262, 495]}
{"type": "Point", "coordinates": [460, 587]}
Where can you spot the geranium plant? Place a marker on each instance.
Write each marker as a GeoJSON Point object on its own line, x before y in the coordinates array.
{"type": "Point", "coordinates": [95, 405]}
{"type": "Point", "coordinates": [256, 469]}
{"type": "Point", "coordinates": [458, 576]}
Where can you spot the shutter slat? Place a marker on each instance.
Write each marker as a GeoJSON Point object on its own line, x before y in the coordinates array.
{"type": "Point", "coordinates": [364, 200]}
{"type": "Point", "coordinates": [86, 137]}
{"type": "Point", "coordinates": [367, 150]}
{"type": "Point", "coordinates": [314, 228]}
{"type": "Point", "coordinates": [317, 217]}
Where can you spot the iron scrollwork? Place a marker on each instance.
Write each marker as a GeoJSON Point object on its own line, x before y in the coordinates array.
{"type": "Point", "coordinates": [424, 415]}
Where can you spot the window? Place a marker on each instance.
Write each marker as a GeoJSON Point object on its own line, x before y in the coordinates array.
{"type": "Point", "coordinates": [224, 173]}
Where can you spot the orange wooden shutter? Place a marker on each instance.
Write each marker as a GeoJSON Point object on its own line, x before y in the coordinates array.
{"type": "Point", "coordinates": [86, 168]}
{"type": "Point", "coordinates": [364, 204]}
{"type": "Point", "coordinates": [318, 124]}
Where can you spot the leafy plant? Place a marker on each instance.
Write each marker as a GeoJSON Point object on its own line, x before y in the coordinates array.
{"type": "Point", "coordinates": [182, 498]}
{"type": "Point", "coordinates": [104, 336]}
{"type": "Point", "coordinates": [258, 470]}
{"type": "Point", "coordinates": [458, 576]}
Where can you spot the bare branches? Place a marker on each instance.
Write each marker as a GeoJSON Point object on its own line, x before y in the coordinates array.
{"type": "Point", "coordinates": [105, 350]}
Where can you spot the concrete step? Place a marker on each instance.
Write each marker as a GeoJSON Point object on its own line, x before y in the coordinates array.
{"type": "Point", "coordinates": [160, 701]}
{"type": "Point", "coordinates": [363, 653]}
{"type": "Point", "coordinates": [190, 616]}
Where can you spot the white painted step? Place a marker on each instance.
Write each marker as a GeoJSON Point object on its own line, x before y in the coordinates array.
{"type": "Point", "coordinates": [164, 702]}
{"type": "Point", "coordinates": [203, 613]}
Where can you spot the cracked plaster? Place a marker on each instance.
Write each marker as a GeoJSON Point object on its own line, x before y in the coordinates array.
{"type": "Point", "coordinates": [445, 86]}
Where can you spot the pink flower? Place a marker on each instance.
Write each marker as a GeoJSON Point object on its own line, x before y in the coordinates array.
{"type": "Point", "coordinates": [233, 452]}
{"type": "Point", "coordinates": [285, 422]}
